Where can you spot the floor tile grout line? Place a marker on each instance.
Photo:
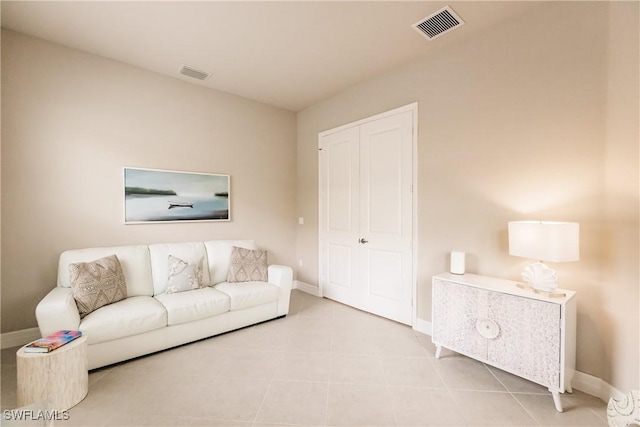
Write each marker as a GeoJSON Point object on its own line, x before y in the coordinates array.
{"type": "Point", "coordinates": [496, 377]}
{"type": "Point", "coordinates": [450, 393]}
{"type": "Point", "coordinates": [533, 417]}
{"type": "Point", "coordinates": [388, 391]}
{"type": "Point", "coordinates": [512, 395]}
{"type": "Point", "coordinates": [264, 397]}
{"type": "Point", "coordinates": [328, 382]}
{"type": "Point", "coordinates": [604, 418]}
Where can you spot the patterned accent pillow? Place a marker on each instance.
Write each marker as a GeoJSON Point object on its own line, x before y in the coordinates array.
{"type": "Point", "coordinates": [184, 276]}
{"type": "Point", "coordinates": [97, 283]}
{"type": "Point", "coordinates": [247, 265]}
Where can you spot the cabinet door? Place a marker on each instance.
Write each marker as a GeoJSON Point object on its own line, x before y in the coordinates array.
{"type": "Point", "coordinates": [529, 340]}
{"type": "Point", "coordinates": [456, 309]}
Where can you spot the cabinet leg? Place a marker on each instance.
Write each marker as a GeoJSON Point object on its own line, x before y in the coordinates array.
{"type": "Point", "coordinates": [557, 401]}
{"type": "Point", "coordinates": [438, 350]}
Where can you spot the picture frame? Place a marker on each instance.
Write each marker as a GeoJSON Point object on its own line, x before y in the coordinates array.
{"type": "Point", "coordinates": [167, 196]}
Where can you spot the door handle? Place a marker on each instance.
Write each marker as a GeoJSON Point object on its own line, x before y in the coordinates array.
{"type": "Point", "coordinates": [363, 241]}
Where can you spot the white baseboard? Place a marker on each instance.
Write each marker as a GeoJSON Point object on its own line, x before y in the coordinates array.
{"type": "Point", "coordinates": [423, 326]}
{"type": "Point", "coordinates": [19, 338]}
{"type": "Point", "coordinates": [595, 387]}
{"type": "Point", "coordinates": [305, 287]}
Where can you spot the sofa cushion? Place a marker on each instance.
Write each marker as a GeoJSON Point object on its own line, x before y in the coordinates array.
{"type": "Point", "coordinates": [130, 316]}
{"type": "Point", "coordinates": [134, 261]}
{"type": "Point", "coordinates": [248, 294]}
{"type": "Point", "coordinates": [97, 283]}
{"type": "Point", "coordinates": [159, 254]}
{"type": "Point", "coordinates": [219, 257]}
{"type": "Point", "coordinates": [193, 305]}
{"type": "Point", "coordinates": [183, 275]}
{"type": "Point", "coordinates": [247, 265]}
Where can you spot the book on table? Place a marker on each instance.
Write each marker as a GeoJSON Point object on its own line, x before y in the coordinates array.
{"type": "Point", "coordinates": [52, 342]}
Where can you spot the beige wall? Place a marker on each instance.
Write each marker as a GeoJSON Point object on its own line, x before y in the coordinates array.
{"type": "Point", "coordinates": [621, 276]}
{"type": "Point", "coordinates": [71, 121]}
{"type": "Point", "coordinates": [521, 122]}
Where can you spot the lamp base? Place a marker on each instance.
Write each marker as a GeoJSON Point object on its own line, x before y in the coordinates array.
{"type": "Point", "coordinates": [548, 294]}
{"type": "Point", "coordinates": [541, 277]}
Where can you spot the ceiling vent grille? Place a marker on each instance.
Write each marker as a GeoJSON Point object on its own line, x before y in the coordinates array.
{"type": "Point", "coordinates": [438, 23]}
{"type": "Point", "coordinates": [192, 72]}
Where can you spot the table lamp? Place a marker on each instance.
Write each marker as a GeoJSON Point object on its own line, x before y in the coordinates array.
{"type": "Point", "coordinates": [545, 241]}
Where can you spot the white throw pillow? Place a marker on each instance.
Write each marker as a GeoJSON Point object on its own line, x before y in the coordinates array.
{"type": "Point", "coordinates": [184, 276]}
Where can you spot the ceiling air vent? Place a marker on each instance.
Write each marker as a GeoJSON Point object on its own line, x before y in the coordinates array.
{"type": "Point", "coordinates": [438, 23]}
{"type": "Point", "coordinates": [192, 72]}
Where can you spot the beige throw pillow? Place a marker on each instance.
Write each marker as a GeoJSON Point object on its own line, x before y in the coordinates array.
{"type": "Point", "coordinates": [247, 265]}
{"type": "Point", "coordinates": [97, 283]}
{"type": "Point", "coordinates": [184, 276]}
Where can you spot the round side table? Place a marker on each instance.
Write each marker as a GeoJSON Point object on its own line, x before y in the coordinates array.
{"type": "Point", "coordinates": [60, 377]}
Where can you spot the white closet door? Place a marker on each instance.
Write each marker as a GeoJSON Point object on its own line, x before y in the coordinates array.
{"type": "Point", "coordinates": [386, 216]}
{"type": "Point", "coordinates": [339, 230]}
{"type": "Point", "coordinates": [366, 217]}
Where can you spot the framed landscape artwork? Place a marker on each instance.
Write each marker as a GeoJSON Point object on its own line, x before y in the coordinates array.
{"type": "Point", "coordinates": [152, 195]}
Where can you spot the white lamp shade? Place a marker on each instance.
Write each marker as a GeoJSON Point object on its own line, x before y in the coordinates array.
{"type": "Point", "coordinates": [545, 241]}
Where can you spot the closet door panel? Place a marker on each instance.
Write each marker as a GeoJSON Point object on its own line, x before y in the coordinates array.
{"type": "Point", "coordinates": [386, 216]}
{"type": "Point", "coordinates": [339, 216]}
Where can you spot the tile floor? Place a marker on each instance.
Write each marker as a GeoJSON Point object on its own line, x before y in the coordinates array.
{"type": "Point", "coordinates": [324, 364]}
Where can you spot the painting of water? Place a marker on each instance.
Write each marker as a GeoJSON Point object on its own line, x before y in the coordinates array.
{"type": "Point", "coordinates": [152, 195]}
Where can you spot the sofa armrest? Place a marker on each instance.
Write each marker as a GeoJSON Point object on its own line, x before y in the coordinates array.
{"type": "Point", "coordinates": [282, 277]}
{"type": "Point", "coordinates": [57, 311]}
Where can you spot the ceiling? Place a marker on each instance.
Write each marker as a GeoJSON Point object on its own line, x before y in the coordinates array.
{"type": "Point", "coordinates": [290, 54]}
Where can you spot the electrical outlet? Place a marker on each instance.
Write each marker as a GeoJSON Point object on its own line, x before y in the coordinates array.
{"type": "Point", "coordinates": [300, 263]}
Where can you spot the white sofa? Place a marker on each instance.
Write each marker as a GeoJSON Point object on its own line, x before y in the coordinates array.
{"type": "Point", "coordinates": [149, 320]}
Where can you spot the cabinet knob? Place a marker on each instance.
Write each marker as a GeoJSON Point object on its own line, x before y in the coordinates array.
{"type": "Point", "coordinates": [363, 241]}
{"type": "Point", "coordinates": [487, 328]}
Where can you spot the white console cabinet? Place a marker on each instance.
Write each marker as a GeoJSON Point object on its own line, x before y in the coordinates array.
{"type": "Point", "coordinates": [495, 321]}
